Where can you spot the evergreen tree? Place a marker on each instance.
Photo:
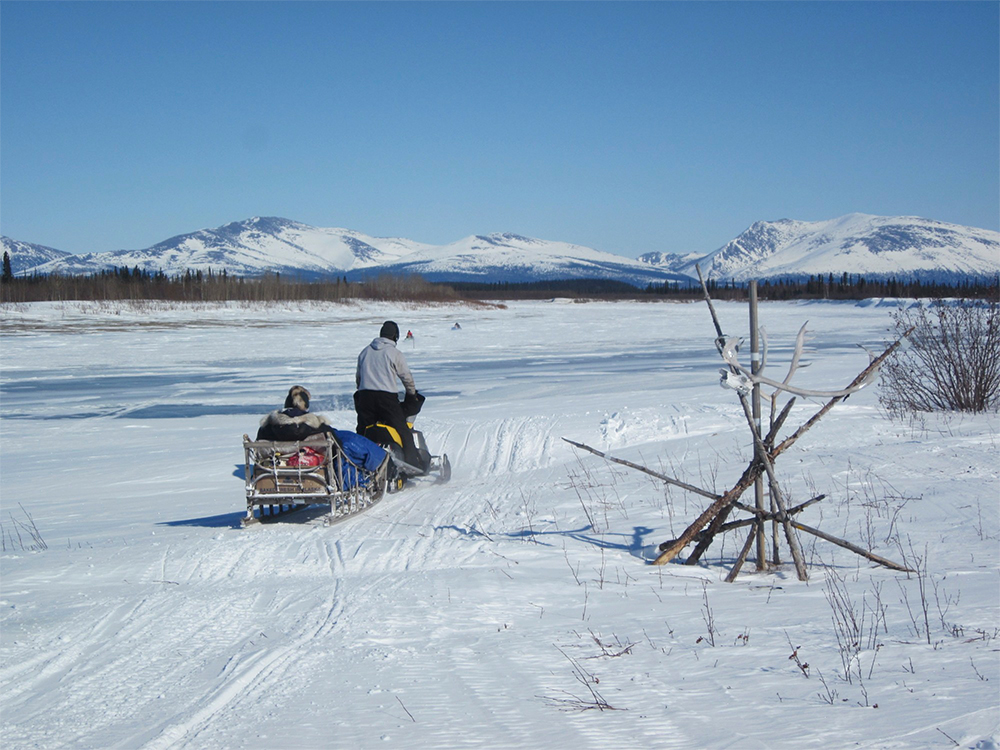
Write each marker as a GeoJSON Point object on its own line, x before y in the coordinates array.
{"type": "Point", "coordinates": [8, 274]}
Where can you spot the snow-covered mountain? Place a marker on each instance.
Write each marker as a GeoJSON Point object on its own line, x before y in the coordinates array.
{"type": "Point", "coordinates": [250, 248]}
{"type": "Point", "coordinates": [510, 257]}
{"type": "Point", "coordinates": [266, 245]}
{"type": "Point", "coordinates": [858, 244]}
{"type": "Point", "coordinates": [25, 256]}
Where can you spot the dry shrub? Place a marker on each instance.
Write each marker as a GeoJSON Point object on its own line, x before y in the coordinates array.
{"type": "Point", "coordinates": [952, 363]}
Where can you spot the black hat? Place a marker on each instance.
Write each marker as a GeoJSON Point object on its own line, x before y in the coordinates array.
{"type": "Point", "coordinates": [389, 331]}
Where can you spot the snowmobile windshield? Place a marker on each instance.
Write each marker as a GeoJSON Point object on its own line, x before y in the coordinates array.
{"type": "Point", "coordinates": [412, 405]}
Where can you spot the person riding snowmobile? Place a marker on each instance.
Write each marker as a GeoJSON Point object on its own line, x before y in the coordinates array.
{"type": "Point", "coordinates": [380, 365]}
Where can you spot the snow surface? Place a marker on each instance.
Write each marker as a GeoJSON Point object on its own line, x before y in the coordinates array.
{"type": "Point", "coordinates": [494, 610]}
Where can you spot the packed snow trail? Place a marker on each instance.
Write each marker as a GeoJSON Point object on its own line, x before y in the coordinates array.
{"type": "Point", "coordinates": [482, 611]}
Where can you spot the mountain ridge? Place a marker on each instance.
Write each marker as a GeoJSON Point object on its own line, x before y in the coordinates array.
{"type": "Point", "coordinates": [859, 244]}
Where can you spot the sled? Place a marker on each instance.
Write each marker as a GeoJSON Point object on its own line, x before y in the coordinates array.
{"type": "Point", "coordinates": [286, 476]}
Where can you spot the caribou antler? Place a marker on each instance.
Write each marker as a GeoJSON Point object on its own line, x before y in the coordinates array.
{"type": "Point", "coordinates": [741, 379]}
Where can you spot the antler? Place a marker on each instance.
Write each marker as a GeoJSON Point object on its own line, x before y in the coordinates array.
{"type": "Point", "coordinates": [741, 379]}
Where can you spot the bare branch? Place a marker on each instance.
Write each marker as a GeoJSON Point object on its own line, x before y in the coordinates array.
{"type": "Point", "coordinates": [645, 470]}
{"type": "Point", "coordinates": [743, 553]}
{"type": "Point", "coordinates": [873, 366]}
{"type": "Point", "coordinates": [852, 547]}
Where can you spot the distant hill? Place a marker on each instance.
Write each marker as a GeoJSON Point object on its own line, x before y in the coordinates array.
{"type": "Point", "coordinates": [249, 248]}
{"type": "Point", "coordinates": [260, 246]}
{"type": "Point", "coordinates": [24, 256]}
{"type": "Point", "coordinates": [858, 244]}
{"type": "Point", "coordinates": [516, 259]}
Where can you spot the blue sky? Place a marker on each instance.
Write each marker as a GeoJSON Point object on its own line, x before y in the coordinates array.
{"type": "Point", "coordinates": [627, 127]}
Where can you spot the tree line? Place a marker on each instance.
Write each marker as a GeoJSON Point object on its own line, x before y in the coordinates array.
{"type": "Point", "coordinates": [843, 287]}
{"type": "Point", "coordinates": [123, 283]}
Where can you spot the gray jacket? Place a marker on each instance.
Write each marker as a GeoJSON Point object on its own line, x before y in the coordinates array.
{"type": "Point", "coordinates": [380, 364]}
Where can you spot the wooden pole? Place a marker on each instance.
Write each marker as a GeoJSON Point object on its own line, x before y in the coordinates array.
{"type": "Point", "coordinates": [755, 365]}
{"type": "Point", "coordinates": [775, 533]}
{"type": "Point", "coordinates": [768, 463]}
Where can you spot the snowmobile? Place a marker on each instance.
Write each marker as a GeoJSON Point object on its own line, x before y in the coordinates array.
{"type": "Point", "coordinates": [388, 437]}
{"type": "Point", "coordinates": [328, 469]}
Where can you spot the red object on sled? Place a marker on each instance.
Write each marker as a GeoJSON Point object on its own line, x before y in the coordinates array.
{"type": "Point", "coordinates": [306, 457]}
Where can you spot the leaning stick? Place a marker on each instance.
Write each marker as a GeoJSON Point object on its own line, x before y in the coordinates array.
{"type": "Point", "coordinates": [725, 527]}
{"type": "Point", "coordinates": [778, 423]}
{"type": "Point", "coordinates": [852, 547]}
{"type": "Point", "coordinates": [725, 501]}
{"type": "Point", "coordinates": [708, 299]}
{"type": "Point", "coordinates": [761, 449]}
{"type": "Point", "coordinates": [718, 523]}
{"type": "Point", "coordinates": [717, 520]}
{"type": "Point", "coordinates": [744, 552]}
{"type": "Point", "coordinates": [716, 526]}
{"type": "Point", "coordinates": [639, 467]}
{"type": "Point", "coordinates": [770, 516]}
{"type": "Point", "coordinates": [715, 515]}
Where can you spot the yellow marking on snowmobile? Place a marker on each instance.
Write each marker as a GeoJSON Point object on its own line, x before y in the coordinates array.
{"type": "Point", "coordinates": [393, 433]}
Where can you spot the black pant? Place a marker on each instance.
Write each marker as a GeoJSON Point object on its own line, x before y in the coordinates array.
{"type": "Point", "coordinates": [384, 407]}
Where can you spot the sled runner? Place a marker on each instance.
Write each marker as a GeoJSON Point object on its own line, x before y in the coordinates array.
{"type": "Point", "coordinates": [284, 476]}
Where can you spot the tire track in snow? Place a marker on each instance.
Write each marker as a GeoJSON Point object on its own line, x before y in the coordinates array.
{"type": "Point", "coordinates": [55, 666]}
{"type": "Point", "coordinates": [261, 676]}
{"type": "Point", "coordinates": [209, 643]}
{"type": "Point", "coordinates": [196, 629]}
{"type": "Point", "coordinates": [505, 446]}
{"type": "Point", "coordinates": [367, 580]}
{"type": "Point", "coordinates": [242, 677]}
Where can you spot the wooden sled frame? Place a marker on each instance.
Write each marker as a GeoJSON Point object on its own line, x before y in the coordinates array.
{"type": "Point", "coordinates": [273, 486]}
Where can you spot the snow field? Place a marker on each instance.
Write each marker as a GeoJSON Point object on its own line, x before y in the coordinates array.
{"type": "Point", "coordinates": [484, 611]}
